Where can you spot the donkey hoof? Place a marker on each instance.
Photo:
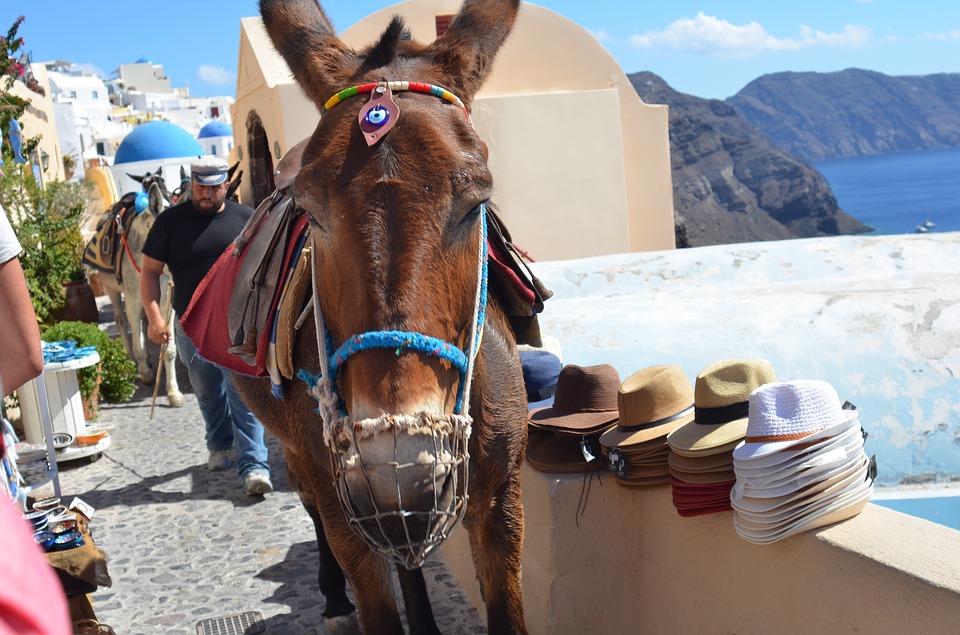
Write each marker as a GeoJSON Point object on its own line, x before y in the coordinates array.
{"type": "Point", "coordinates": [175, 399]}
{"type": "Point", "coordinates": [343, 624]}
{"type": "Point", "coordinates": [146, 378]}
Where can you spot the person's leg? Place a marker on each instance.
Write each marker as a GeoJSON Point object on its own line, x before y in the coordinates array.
{"type": "Point", "coordinates": [248, 432]}
{"type": "Point", "coordinates": [208, 384]}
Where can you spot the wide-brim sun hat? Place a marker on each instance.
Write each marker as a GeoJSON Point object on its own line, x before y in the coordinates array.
{"type": "Point", "coordinates": [722, 396]}
{"type": "Point", "coordinates": [784, 459]}
{"type": "Point", "coordinates": [839, 510]}
{"type": "Point", "coordinates": [785, 414]}
{"type": "Point", "coordinates": [560, 453]}
{"type": "Point", "coordinates": [585, 400]}
{"type": "Point", "coordinates": [652, 403]}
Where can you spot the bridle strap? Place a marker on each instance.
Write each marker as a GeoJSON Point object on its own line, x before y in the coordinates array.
{"type": "Point", "coordinates": [401, 341]}
{"type": "Point", "coordinates": [397, 87]}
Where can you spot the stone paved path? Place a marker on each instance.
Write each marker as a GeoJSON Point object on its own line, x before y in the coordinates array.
{"type": "Point", "coordinates": [185, 544]}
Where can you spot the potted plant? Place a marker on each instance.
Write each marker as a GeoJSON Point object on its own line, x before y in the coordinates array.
{"type": "Point", "coordinates": [112, 380]}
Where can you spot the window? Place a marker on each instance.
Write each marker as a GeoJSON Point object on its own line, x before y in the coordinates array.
{"type": "Point", "coordinates": [214, 111]}
{"type": "Point", "coordinates": [101, 148]}
{"type": "Point", "coordinates": [73, 94]}
{"type": "Point", "coordinates": [213, 150]}
{"type": "Point", "coordinates": [96, 95]}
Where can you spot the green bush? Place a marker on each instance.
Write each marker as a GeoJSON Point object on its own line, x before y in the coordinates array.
{"type": "Point", "coordinates": [117, 371]}
{"type": "Point", "coordinates": [47, 222]}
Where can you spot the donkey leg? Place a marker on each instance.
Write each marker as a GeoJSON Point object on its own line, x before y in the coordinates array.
{"type": "Point", "coordinates": [138, 350]}
{"type": "Point", "coordinates": [417, 602]}
{"type": "Point", "coordinates": [120, 317]}
{"type": "Point", "coordinates": [496, 541]}
{"type": "Point", "coordinates": [333, 584]}
{"type": "Point", "coordinates": [174, 396]}
{"type": "Point", "coordinates": [367, 572]}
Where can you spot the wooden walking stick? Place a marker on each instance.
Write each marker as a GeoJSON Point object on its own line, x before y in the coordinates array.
{"type": "Point", "coordinates": [163, 347]}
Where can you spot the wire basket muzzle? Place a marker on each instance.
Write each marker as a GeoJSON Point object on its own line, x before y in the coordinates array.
{"type": "Point", "coordinates": [402, 480]}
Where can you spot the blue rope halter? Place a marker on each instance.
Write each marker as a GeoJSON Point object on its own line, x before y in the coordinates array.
{"type": "Point", "coordinates": [401, 341]}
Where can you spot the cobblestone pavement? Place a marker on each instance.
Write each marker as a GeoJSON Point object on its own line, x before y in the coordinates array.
{"type": "Point", "coordinates": [184, 544]}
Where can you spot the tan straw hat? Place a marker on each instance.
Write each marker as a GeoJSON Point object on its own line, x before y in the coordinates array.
{"type": "Point", "coordinates": [652, 402]}
{"type": "Point", "coordinates": [722, 396]}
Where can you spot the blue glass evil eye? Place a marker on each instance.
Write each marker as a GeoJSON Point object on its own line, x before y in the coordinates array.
{"type": "Point", "coordinates": [377, 116]}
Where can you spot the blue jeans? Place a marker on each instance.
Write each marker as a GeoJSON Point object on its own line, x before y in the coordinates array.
{"type": "Point", "coordinates": [227, 418]}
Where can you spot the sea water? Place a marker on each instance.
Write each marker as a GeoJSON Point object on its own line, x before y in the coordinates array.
{"type": "Point", "coordinates": [898, 193]}
{"type": "Point", "coordinates": [895, 193]}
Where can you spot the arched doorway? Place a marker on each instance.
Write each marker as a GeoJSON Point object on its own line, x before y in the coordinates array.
{"type": "Point", "coordinates": [261, 163]}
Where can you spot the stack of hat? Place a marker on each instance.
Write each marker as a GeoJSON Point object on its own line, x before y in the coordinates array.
{"type": "Point", "coordinates": [564, 437]}
{"type": "Point", "coordinates": [802, 464]}
{"type": "Point", "coordinates": [701, 458]}
{"type": "Point", "coordinates": [652, 403]}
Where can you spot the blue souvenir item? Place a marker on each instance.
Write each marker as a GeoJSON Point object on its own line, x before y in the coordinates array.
{"type": "Point", "coordinates": [16, 140]}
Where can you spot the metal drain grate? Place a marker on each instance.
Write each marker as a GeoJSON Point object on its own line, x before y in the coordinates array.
{"type": "Point", "coordinates": [249, 623]}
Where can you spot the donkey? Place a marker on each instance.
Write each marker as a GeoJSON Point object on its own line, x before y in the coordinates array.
{"type": "Point", "coordinates": [397, 207]}
{"type": "Point", "coordinates": [123, 289]}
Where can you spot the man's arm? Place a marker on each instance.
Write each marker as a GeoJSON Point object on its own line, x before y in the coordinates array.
{"type": "Point", "coordinates": [150, 271]}
{"type": "Point", "coordinates": [21, 357]}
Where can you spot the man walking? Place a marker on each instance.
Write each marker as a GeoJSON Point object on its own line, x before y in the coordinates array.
{"type": "Point", "coordinates": [188, 238]}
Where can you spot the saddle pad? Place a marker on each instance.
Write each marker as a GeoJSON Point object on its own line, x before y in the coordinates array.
{"type": "Point", "coordinates": [101, 250]}
{"type": "Point", "coordinates": [205, 319]}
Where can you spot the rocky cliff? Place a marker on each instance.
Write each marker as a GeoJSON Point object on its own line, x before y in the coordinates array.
{"type": "Point", "coordinates": [853, 112]}
{"type": "Point", "coordinates": [730, 184]}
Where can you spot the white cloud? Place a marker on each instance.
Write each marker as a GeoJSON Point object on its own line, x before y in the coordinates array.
{"type": "Point", "coordinates": [952, 34]}
{"type": "Point", "coordinates": [216, 75]}
{"type": "Point", "coordinates": [91, 69]}
{"type": "Point", "coordinates": [708, 35]}
{"type": "Point", "coordinates": [601, 35]}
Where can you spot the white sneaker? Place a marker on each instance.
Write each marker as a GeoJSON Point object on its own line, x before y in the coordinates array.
{"type": "Point", "coordinates": [257, 483]}
{"type": "Point", "coordinates": [219, 460]}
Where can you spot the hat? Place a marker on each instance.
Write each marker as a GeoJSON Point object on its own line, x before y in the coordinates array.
{"type": "Point", "coordinates": [563, 453]}
{"type": "Point", "coordinates": [209, 171]}
{"type": "Point", "coordinates": [540, 372]}
{"type": "Point", "coordinates": [651, 403]}
{"type": "Point", "coordinates": [722, 397]}
{"type": "Point", "coordinates": [585, 400]}
{"type": "Point", "coordinates": [547, 343]}
{"type": "Point", "coordinates": [784, 414]}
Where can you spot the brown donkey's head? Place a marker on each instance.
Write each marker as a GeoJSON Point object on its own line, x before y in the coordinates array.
{"type": "Point", "coordinates": [396, 221]}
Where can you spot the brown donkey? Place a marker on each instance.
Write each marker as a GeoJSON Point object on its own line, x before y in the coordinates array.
{"type": "Point", "coordinates": [420, 392]}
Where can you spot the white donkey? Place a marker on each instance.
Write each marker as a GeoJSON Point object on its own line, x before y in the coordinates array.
{"type": "Point", "coordinates": [128, 310]}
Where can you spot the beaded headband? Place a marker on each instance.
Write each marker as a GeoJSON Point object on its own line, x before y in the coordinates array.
{"type": "Point", "coordinates": [379, 115]}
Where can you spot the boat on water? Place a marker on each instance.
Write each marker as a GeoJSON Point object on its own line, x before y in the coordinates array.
{"type": "Point", "coordinates": [929, 224]}
{"type": "Point", "coordinates": [920, 229]}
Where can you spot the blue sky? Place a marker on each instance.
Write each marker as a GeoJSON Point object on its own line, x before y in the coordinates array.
{"type": "Point", "coordinates": [707, 48]}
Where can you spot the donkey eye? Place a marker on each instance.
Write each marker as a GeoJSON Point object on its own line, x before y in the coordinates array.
{"type": "Point", "coordinates": [474, 212]}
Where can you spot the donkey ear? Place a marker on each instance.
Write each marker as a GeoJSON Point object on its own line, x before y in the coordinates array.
{"type": "Point", "coordinates": [467, 49]}
{"type": "Point", "coordinates": [138, 179]}
{"type": "Point", "coordinates": [303, 35]}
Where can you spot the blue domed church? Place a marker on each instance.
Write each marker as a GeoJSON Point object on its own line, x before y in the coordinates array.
{"type": "Point", "coordinates": [155, 144]}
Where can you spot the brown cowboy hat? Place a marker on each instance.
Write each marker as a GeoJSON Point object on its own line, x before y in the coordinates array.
{"type": "Point", "coordinates": [585, 400]}
{"type": "Point", "coordinates": [652, 402]}
{"type": "Point", "coordinates": [722, 397]}
{"type": "Point", "coordinates": [562, 453]}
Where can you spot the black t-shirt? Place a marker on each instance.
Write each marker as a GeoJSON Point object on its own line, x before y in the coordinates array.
{"type": "Point", "coordinates": [190, 242]}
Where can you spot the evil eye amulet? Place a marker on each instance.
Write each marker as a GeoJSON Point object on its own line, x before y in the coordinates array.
{"type": "Point", "coordinates": [377, 116]}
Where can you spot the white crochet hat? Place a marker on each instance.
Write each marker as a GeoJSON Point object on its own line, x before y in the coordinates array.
{"type": "Point", "coordinates": [783, 414]}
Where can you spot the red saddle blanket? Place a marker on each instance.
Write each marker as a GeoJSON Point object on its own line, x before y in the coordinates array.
{"type": "Point", "coordinates": [206, 319]}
